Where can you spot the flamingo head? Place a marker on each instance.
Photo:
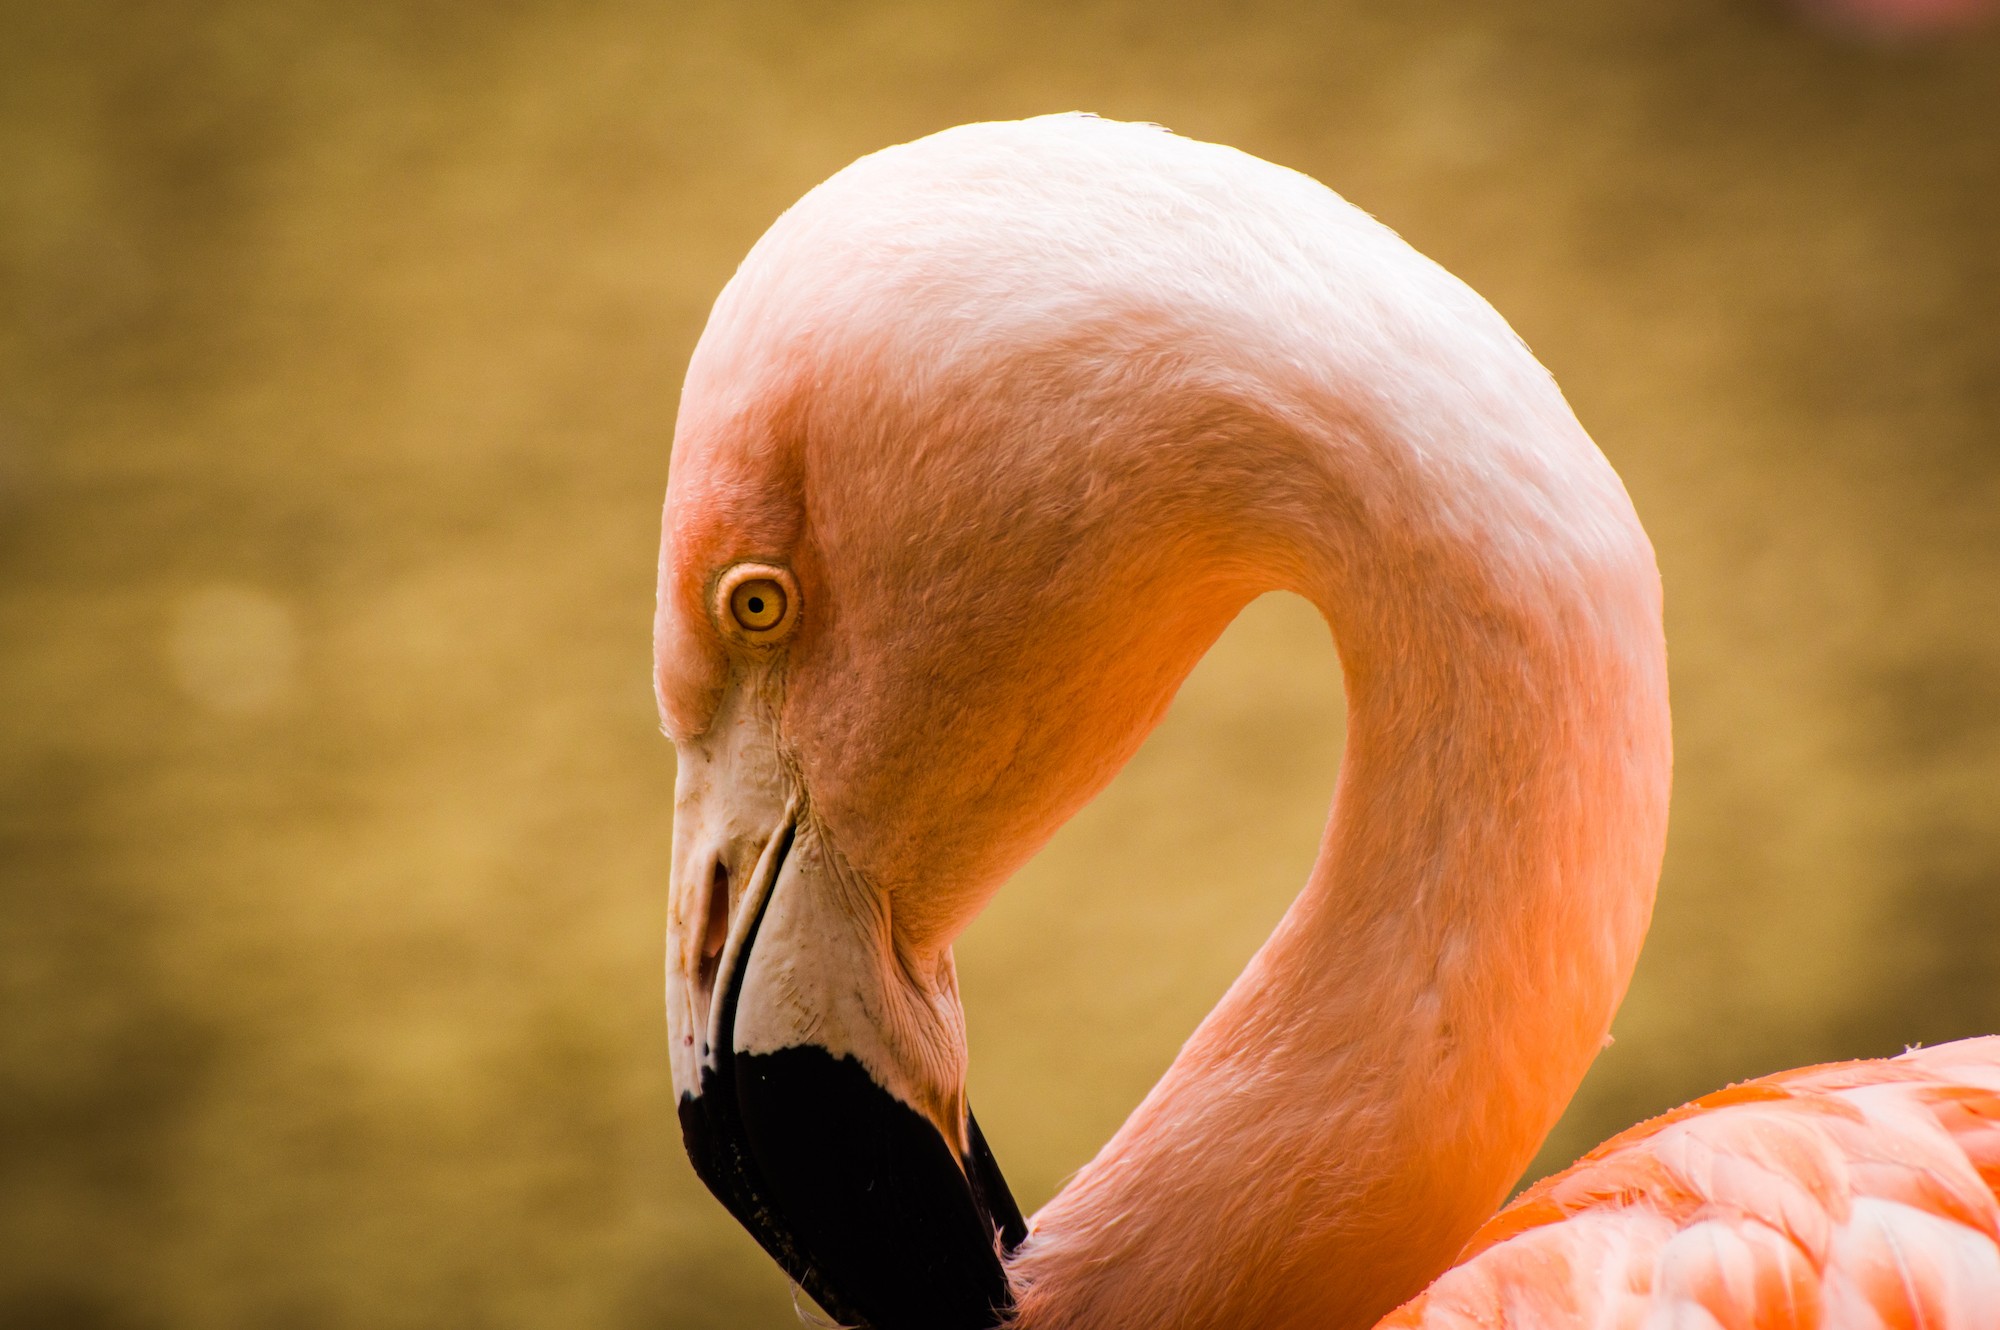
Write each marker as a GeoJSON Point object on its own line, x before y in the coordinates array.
{"type": "Point", "coordinates": [940, 542]}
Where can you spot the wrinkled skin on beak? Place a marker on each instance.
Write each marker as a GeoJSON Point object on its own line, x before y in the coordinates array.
{"type": "Point", "coordinates": [820, 1078]}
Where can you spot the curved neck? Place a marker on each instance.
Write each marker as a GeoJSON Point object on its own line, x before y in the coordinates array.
{"type": "Point", "coordinates": [1377, 1078]}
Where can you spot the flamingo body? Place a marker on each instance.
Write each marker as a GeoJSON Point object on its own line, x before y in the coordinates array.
{"type": "Point", "coordinates": [988, 439]}
{"type": "Point", "coordinates": [1842, 1197]}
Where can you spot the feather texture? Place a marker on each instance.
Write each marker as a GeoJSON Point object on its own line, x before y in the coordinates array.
{"type": "Point", "coordinates": [1849, 1196]}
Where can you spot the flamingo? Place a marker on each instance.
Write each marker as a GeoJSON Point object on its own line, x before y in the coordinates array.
{"type": "Point", "coordinates": [984, 444]}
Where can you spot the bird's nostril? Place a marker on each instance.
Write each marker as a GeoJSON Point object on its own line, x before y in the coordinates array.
{"type": "Point", "coordinates": [717, 930]}
{"type": "Point", "coordinates": [714, 932]}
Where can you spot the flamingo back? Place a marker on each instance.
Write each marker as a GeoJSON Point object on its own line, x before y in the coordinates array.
{"type": "Point", "coordinates": [1849, 1196]}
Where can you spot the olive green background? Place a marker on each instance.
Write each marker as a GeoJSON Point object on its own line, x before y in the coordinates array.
{"type": "Point", "coordinates": [339, 352]}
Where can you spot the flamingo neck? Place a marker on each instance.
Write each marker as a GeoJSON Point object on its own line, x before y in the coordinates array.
{"type": "Point", "coordinates": [1382, 1072]}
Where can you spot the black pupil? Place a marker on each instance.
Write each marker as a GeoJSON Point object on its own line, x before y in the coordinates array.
{"type": "Point", "coordinates": [756, 604]}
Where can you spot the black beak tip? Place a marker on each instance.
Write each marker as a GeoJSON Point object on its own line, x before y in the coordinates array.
{"type": "Point", "coordinates": [866, 1185]}
{"type": "Point", "coordinates": [990, 1191]}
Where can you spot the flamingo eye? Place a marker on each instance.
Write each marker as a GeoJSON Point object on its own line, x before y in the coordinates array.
{"type": "Point", "coordinates": [757, 603]}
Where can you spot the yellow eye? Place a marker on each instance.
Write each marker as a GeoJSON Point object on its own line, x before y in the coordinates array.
{"type": "Point", "coordinates": [757, 603]}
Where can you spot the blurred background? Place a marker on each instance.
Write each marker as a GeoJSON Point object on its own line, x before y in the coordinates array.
{"type": "Point", "coordinates": [339, 353]}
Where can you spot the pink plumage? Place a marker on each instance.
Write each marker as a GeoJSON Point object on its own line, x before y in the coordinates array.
{"type": "Point", "coordinates": [1857, 1194]}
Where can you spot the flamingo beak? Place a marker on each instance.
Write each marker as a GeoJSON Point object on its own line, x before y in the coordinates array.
{"type": "Point", "coordinates": [850, 1158]}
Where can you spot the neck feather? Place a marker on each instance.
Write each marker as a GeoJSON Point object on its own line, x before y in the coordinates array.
{"type": "Point", "coordinates": [1375, 1081]}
